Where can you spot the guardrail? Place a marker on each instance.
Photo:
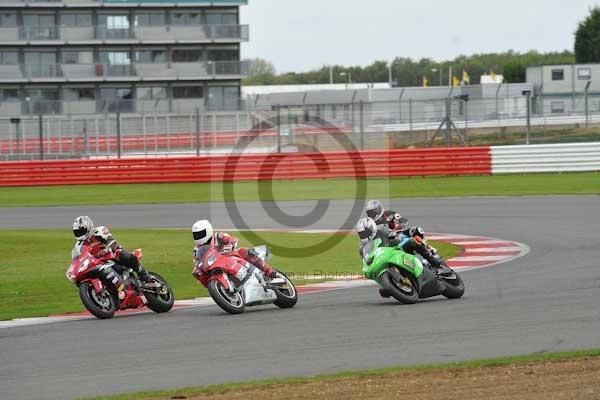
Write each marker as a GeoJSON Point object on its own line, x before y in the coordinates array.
{"type": "Point", "coordinates": [257, 167]}
{"type": "Point", "coordinates": [388, 163]}
{"type": "Point", "coordinates": [577, 157]}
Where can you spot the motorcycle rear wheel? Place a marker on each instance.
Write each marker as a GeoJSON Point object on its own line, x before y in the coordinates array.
{"type": "Point", "coordinates": [102, 305]}
{"type": "Point", "coordinates": [160, 302]}
{"type": "Point", "coordinates": [231, 303]}
{"type": "Point", "coordinates": [404, 292]}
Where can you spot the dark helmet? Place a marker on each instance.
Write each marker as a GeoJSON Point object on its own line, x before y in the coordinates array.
{"type": "Point", "coordinates": [417, 231]}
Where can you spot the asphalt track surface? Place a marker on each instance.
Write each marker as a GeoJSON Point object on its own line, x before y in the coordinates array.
{"type": "Point", "coordinates": [546, 301]}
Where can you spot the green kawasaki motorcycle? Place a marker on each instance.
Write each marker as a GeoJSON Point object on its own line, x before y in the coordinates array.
{"type": "Point", "coordinates": [408, 278]}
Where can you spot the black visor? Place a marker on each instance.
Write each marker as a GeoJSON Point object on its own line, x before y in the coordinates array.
{"type": "Point", "coordinates": [80, 232]}
{"type": "Point", "coordinates": [199, 235]}
{"type": "Point", "coordinates": [375, 213]}
{"type": "Point", "coordinates": [364, 234]}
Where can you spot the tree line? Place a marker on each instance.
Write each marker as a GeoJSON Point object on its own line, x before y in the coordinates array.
{"type": "Point", "coordinates": [409, 72]}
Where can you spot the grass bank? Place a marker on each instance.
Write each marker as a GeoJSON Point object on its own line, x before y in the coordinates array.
{"type": "Point", "coordinates": [566, 375]}
{"type": "Point", "coordinates": [498, 185]}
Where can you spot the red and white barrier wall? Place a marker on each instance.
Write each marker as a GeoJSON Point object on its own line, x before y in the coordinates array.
{"type": "Point", "coordinates": [578, 157]}
{"type": "Point", "coordinates": [384, 163]}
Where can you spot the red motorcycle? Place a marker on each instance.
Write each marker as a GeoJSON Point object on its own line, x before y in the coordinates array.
{"type": "Point", "coordinates": [234, 283]}
{"type": "Point", "coordinates": [97, 280]}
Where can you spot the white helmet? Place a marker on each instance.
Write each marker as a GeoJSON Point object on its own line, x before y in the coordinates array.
{"type": "Point", "coordinates": [375, 210]}
{"type": "Point", "coordinates": [83, 227]}
{"type": "Point", "coordinates": [367, 229]}
{"type": "Point", "coordinates": [203, 232]}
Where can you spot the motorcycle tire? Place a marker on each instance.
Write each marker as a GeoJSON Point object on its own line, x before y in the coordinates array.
{"type": "Point", "coordinates": [455, 288]}
{"type": "Point", "coordinates": [223, 299]}
{"type": "Point", "coordinates": [91, 303]}
{"type": "Point", "coordinates": [286, 298]}
{"type": "Point", "coordinates": [389, 283]}
{"type": "Point", "coordinates": [160, 303]}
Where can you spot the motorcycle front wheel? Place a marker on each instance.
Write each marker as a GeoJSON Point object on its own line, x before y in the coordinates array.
{"type": "Point", "coordinates": [161, 300]}
{"type": "Point", "coordinates": [287, 296]}
{"type": "Point", "coordinates": [102, 305]}
{"type": "Point", "coordinates": [403, 291]}
{"type": "Point", "coordinates": [455, 287]}
{"type": "Point", "coordinates": [233, 303]}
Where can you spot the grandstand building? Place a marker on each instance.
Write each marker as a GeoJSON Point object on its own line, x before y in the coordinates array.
{"type": "Point", "coordinates": [99, 56]}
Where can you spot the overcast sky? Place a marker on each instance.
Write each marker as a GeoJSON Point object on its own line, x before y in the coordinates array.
{"type": "Point", "coordinates": [298, 35]}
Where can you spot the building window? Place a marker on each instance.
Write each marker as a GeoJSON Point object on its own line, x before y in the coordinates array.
{"type": "Point", "coordinates": [558, 74]}
{"type": "Point", "coordinates": [115, 57]}
{"type": "Point", "coordinates": [151, 93]}
{"type": "Point", "coordinates": [39, 27]}
{"type": "Point", "coordinates": [113, 26]}
{"type": "Point", "coordinates": [116, 99]}
{"type": "Point", "coordinates": [584, 74]}
{"type": "Point", "coordinates": [9, 57]}
{"type": "Point", "coordinates": [78, 57]}
{"type": "Point", "coordinates": [8, 20]}
{"type": "Point", "coordinates": [224, 98]}
{"type": "Point", "coordinates": [151, 56]}
{"type": "Point", "coordinates": [76, 20]}
{"type": "Point", "coordinates": [75, 93]}
{"type": "Point", "coordinates": [42, 101]}
{"type": "Point", "coordinates": [187, 55]}
{"type": "Point", "coordinates": [9, 95]}
{"type": "Point", "coordinates": [188, 92]}
{"type": "Point", "coordinates": [150, 19]}
{"type": "Point", "coordinates": [39, 20]}
{"type": "Point", "coordinates": [186, 18]}
{"type": "Point", "coordinates": [114, 21]}
{"type": "Point", "coordinates": [223, 55]}
{"type": "Point", "coordinates": [221, 18]}
{"type": "Point", "coordinates": [557, 107]}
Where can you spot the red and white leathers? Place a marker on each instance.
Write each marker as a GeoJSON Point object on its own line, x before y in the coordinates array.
{"type": "Point", "coordinates": [101, 244]}
{"type": "Point", "coordinates": [227, 245]}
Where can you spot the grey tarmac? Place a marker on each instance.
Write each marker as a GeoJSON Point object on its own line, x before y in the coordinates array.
{"type": "Point", "coordinates": [546, 301]}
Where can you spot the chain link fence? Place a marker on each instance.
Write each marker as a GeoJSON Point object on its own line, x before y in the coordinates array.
{"type": "Point", "coordinates": [309, 127]}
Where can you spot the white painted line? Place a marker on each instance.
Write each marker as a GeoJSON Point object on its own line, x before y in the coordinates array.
{"type": "Point", "coordinates": [447, 237]}
{"type": "Point", "coordinates": [492, 250]}
{"type": "Point", "coordinates": [479, 258]}
{"type": "Point", "coordinates": [490, 241]}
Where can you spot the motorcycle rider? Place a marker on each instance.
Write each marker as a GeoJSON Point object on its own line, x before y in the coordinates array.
{"type": "Point", "coordinates": [101, 243]}
{"type": "Point", "coordinates": [205, 239]}
{"type": "Point", "coordinates": [393, 226]}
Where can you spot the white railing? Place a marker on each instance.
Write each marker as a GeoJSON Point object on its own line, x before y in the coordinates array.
{"type": "Point", "coordinates": [577, 157]}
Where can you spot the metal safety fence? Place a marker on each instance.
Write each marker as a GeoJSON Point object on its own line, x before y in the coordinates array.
{"type": "Point", "coordinates": [362, 125]}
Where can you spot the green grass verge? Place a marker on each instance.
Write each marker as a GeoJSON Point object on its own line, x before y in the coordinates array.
{"type": "Point", "coordinates": [499, 185]}
{"type": "Point", "coordinates": [492, 362]}
{"type": "Point", "coordinates": [34, 262]}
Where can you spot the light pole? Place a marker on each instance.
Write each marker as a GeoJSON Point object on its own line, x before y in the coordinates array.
{"type": "Point", "coordinates": [434, 70]}
{"type": "Point", "coordinates": [527, 94]}
{"type": "Point", "coordinates": [391, 78]}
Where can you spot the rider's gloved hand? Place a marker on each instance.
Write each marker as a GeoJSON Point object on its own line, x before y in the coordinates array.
{"type": "Point", "coordinates": [272, 274]}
